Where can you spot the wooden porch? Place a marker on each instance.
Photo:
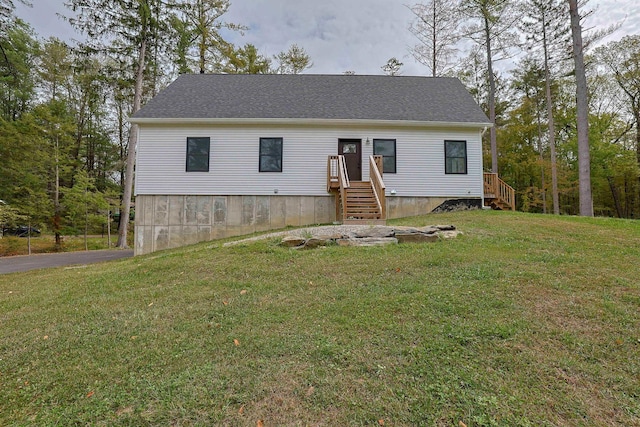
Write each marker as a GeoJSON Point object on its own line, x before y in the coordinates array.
{"type": "Point", "coordinates": [357, 202]}
{"type": "Point", "coordinates": [364, 202]}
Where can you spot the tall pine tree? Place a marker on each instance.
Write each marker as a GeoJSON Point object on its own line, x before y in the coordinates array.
{"type": "Point", "coordinates": [132, 28]}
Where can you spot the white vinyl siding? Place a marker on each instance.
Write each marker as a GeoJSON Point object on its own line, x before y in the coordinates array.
{"type": "Point", "coordinates": [235, 154]}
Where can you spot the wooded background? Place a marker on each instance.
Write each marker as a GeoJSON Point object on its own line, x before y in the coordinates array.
{"type": "Point", "coordinates": [65, 142]}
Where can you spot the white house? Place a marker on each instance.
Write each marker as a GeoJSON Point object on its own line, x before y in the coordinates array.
{"type": "Point", "coordinates": [223, 155]}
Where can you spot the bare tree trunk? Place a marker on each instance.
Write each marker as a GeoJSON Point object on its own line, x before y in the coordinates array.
{"type": "Point", "coordinates": [434, 40]}
{"type": "Point", "coordinates": [584, 157]}
{"type": "Point", "coordinates": [29, 236]}
{"type": "Point", "coordinates": [202, 45]}
{"type": "Point", "coordinates": [56, 198]}
{"type": "Point", "coordinates": [542, 177]}
{"type": "Point", "coordinates": [492, 95]}
{"type": "Point", "coordinates": [615, 195]}
{"type": "Point", "coordinates": [131, 151]}
{"type": "Point", "coordinates": [551, 121]}
{"type": "Point", "coordinates": [86, 221]}
{"type": "Point", "coordinates": [636, 114]}
{"type": "Point", "coordinates": [629, 200]}
{"type": "Point", "coordinates": [109, 226]}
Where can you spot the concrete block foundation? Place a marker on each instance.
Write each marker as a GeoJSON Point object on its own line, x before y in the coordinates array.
{"type": "Point", "coordinates": [164, 222]}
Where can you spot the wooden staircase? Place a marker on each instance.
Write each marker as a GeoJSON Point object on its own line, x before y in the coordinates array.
{"type": "Point", "coordinates": [357, 202]}
{"type": "Point", "coordinates": [498, 194]}
{"type": "Point", "coordinates": [361, 205]}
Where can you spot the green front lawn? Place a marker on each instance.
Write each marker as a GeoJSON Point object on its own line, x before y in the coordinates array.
{"type": "Point", "coordinates": [523, 320]}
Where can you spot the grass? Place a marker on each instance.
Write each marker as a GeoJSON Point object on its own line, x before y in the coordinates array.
{"type": "Point", "coordinates": [525, 320]}
{"type": "Point", "coordinates": [11, 246]}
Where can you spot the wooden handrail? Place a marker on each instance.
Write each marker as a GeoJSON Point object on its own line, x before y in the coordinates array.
{"type": "Point", "coordinates": [496, 188]}
{"type": "Point", "coordinates": [343, 175]}
{"type": "Point", "coordinates": [490, 184]}
{"type": "Point", "coordinates": [338, 182]}
{"type": "Point", "coordinates": [375, 177]}
{"type": "Point", "coordinates": [338, 179]}
{"type": "Point", "coordinates": [343, 179]}
{"type": "Point", "coordinates": [336, 172]}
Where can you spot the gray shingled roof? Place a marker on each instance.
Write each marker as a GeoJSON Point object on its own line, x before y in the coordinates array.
{"type": "Point", "coordinates": [242, 96]}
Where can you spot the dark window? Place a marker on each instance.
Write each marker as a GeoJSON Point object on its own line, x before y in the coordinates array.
{"type": "Point", "coordinates": [270, 154]}
{"type": "Point", "coordinates": [198, 154]}
{"type": "Point", "coordinates": [387, 149]}
{"type": "Point", "coordinates": [455, 157]}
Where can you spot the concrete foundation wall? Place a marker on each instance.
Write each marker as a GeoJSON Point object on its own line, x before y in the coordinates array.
{"type": "Point", "coordinates": [402, 207]}
{"type": "Point", "coordinates": [164, 222]}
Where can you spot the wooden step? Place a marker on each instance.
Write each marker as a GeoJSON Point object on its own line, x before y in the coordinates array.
{"type": "Point", "coordinates": [352, 194]}
{"type": "Point", "coordinates": [361, 204]}
{"type": "Point", "coordinates": [496, 204]}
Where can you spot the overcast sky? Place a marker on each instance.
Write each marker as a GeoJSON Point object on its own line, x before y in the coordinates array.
{"type": "Point", "coordinates": [339, 35]}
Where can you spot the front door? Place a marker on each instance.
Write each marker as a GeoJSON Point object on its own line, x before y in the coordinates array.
{"type": "Point", "coordinates": [351, 149]}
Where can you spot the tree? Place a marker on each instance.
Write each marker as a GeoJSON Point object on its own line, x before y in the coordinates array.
{"type": "Point", "coordinates": [54, 126]}
{"type": "Point", "coordinates": [83, 202]}
{"type": "Point", "coordinates": [7, 7]}
{"type": "Point", "coordinates": [119, 29]}
{"type": "Point", "coordinates": [437, 28]}
{"type": "Point", "coordinates": [9, 216]}
{"type": "Point", "coordinates": [7, 18]}
{"type": "Point", "coordinates": [474, 76]}
{"type": "Point", "coordinates": [33, 202]}
{"type": "Point", "coordinates": [246, 60]}
{"type": "Point", "coordinates": [94, 150]}
{"type": "Point", "coordinates": [18, 50]}
{"type": "Point", "coordinates": [55, 68]}
{"type": "Point", "coordinates": [183, 40]}
{"type": "Point", "coordinates": [622, 58]}
{"type": "Point", "coordinates": [201, 24]}
{"type": "Point", "coordinates": [582, 103]}
{"type": "Point", "coordinates": [546, 27]}
{"type": "Point", "coordinates": [614, 167]}
{"type": "Point", "coordinates": [26, 174]}
{"type": "Point", "coordinates": [293, 61]}
{"type": "Point", "coordinates": [522, 134]}
{"type": "Point", "coordinates": [492, 26]}
{"type": "Point", "coordinates": [392, 67]}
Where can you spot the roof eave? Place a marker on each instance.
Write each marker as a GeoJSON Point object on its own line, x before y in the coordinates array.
{"type": "Point", "coordinates": [298, 121]}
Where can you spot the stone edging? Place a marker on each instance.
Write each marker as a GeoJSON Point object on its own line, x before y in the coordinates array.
{"type": "Point", "coordinates": [370, 236]}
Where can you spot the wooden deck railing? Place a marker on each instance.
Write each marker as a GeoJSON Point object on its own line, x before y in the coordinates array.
{"type": "Point", "coordinates": [495, 188]}
{"type": "Point", "coordinates": [375, 177]}
{"type": "Point", "coordinates": [343, 178]}
{"type": "Point", "coordinates": [338, 179]}
{"type": "Point", "coordinates": [332, 173]}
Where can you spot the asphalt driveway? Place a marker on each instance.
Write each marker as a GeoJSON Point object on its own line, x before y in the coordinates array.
{"type": "Point", "coordinates": [22, 263]}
